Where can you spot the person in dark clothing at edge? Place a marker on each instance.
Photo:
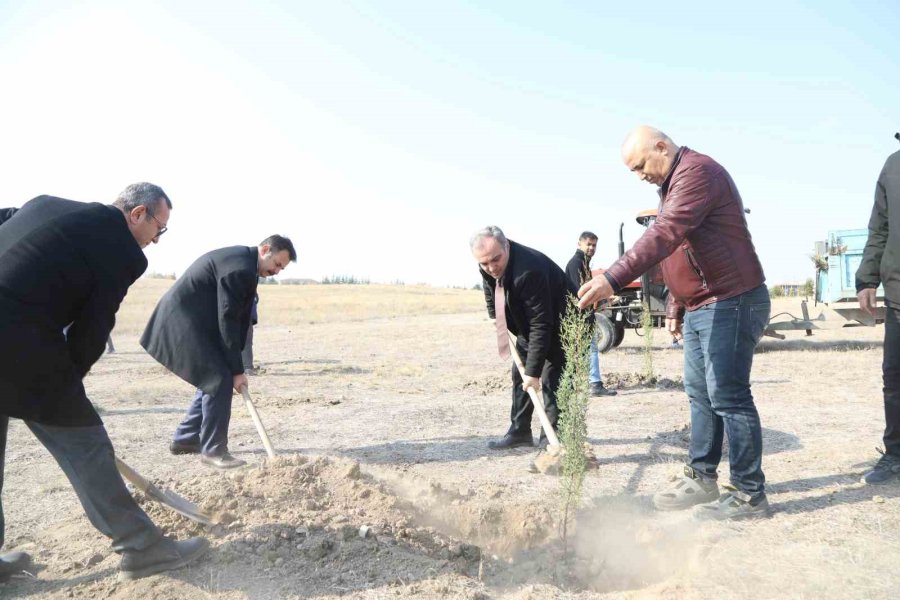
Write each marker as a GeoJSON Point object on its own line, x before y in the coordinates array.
{"type": "Point", "coordinates": [717, 292]}
{"type": "Point", "coordinates": [198, 330]}
{"type": "Point", "coordinates": [247, 352]}
{"type": "Point", "coordinates": [880, 265]}
{"type": "Point", "coordinates": [579, 271]}
{"type": "Point", "coordinates": [67, 264]}
{"type": "Point", "coordinates": [526, 293]}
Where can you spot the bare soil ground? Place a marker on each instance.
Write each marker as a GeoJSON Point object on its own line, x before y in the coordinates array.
{"type": "Point", "coordinates": [382, 399]}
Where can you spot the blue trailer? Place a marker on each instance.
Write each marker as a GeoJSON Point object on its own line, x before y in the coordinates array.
{"type": "Point", "coordinates": [837, 259]}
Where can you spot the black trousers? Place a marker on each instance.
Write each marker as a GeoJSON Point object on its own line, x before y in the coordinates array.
{"type": "Point", "coordinates": [522, 409]}
{"type": "Point", "coordinates": [891, 370]}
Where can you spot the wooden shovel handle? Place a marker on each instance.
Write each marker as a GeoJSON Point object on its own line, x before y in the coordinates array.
{"type": "Point", "coordinates": [251, 408]}
{"type": "Point", "coordinates": [537, 398]}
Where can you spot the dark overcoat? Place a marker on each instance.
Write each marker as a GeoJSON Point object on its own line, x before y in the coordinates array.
{"type": "Point", "coordinates": [578, 268]}
{"type": "Point", "coordinates": [199, 326]}
{"type": "Point", "coordinates": [536, 290]}
{"type": "Point", "coordinates": [61, 262]}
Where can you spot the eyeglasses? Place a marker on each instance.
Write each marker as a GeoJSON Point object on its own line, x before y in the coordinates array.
{"type": "Point", "coordinates": [162, 228]}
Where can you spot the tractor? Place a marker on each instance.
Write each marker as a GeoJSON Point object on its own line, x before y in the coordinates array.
{"type": "Point", "coordinates": [626, 309]}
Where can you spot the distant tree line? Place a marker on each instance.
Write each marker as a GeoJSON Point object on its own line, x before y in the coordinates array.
{"type": "Point", "coordinates": [345, 279]}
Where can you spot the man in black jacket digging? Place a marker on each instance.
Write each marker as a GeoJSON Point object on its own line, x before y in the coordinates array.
{"type": "Point", "coordinates": [525, 292]}
{"type": "Point", "coordinates": [198, 331]}
{"type": "Point", "coordinates": [66, 264]}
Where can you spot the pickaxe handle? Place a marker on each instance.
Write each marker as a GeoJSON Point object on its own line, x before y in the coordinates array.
{"type": "Point", "coordinates": [251, 408]}
{"type": "Point", "coordinates": [537, 398]}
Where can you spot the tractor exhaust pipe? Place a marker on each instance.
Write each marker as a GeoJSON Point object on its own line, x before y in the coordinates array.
{"type": "Point", "coordinates": [622, 240]}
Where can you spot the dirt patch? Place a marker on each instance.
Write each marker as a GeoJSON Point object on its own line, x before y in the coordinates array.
{"type": "Point", "coordinates": [488, 385]}
{"type": "Point", "coordinates": [634, 380]}
{"type": "Point", "coordinates": [429, 496]}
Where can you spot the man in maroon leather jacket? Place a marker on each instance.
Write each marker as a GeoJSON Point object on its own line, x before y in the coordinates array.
{"type": "Point", "coordinates": [718, 295]}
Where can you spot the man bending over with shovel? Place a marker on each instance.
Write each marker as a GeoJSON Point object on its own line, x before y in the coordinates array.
{"type": "Point", "coordinates": [70, 264]}
{"type": "Point", "coordinates": [526, 294]}
{"type": "Point", "coordinates": [198, 330]}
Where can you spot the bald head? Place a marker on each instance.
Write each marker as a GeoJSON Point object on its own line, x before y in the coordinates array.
{"type": "Point", "coordinates": [649, 153]}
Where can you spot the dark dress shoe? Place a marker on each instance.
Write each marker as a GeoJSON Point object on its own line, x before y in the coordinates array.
{"type": "Point", "coordinates": [164, 555]}
{"type": "Point", "coordinates": [598, 390]}
{"type": "Point", "coordinates": [222, 461]}
{"type": "Point", "coordinates": [511, 441]}
{"type": "Point", "coordinates": [179, 448]}
{"type": "Point", "coordinates": [12, 563]}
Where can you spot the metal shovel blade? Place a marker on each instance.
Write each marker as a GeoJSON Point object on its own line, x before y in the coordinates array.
{"type": "Point", "coordinates": [165, 497]}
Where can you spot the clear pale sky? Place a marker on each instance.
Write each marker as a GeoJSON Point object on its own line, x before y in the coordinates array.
{"type": "Point", "coordinates": [380, 135]}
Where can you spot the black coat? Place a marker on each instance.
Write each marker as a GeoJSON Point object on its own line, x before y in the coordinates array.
{"type": "Point", "coordinates": [579, 269]}
{"type": "Point", "coordinates": [61, 262]}
{"type": "Point", "coordinates": [536, 292]}
{"type": "Point", "coordinates": [199, 327]}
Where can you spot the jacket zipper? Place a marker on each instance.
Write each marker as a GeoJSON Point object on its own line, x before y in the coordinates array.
{"type": "Point", "coordinates": [695, 266]}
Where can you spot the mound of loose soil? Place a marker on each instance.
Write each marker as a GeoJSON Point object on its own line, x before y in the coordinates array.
{"type": "Point", "coordinates": [323, 525]}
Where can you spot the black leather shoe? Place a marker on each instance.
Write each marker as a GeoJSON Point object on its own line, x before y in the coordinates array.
{"type": "Point", "coordinates": [12, 563]}
{"type": "Point", "coordinates": [222, 461]}
{"type": "Point", "coordinates": [179, 448]}
{"type": "Point", "coordinates": [164, 555]}
{"type": "Point", "coordinates": [511, 441]}
{"type": "Point", "coordinates": [598, 390]}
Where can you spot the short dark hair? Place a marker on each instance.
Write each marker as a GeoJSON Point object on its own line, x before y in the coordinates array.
{"type": "Point", "coordinates": [141, 194]}
{"type": "Point", "coordinates": [277, 243]}
{"type": "Point", "coordinates": [587, 235]}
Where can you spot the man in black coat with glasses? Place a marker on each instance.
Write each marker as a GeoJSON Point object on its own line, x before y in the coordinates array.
{"type": "Point", "coordinates": [68, 265]}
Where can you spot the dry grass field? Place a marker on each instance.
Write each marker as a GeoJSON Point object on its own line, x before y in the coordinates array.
{"type": "Point", "coordinates": [381, 400]}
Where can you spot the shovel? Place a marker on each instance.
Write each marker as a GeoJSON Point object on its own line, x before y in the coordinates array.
{"type": "Point", "coordinates": [251, 408]}
{"type": "Point", "coordinates": [164, 497]}
{"type": "Point", "coordinates": [537, 400]}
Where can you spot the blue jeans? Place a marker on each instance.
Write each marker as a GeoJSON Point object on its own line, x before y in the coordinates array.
{"type": "Point", "coordinates": [719, 340]}
{"type": "Point", "coordinates": [594, 361]}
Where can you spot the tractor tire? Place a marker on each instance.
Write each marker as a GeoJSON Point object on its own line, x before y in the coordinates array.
{"type": "Point", "coordinates": [619, 334]}
{"type": "Point", "coordinates": [606, 332]}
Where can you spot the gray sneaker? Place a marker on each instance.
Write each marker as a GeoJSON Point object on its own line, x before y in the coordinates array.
{"type": "Point", "coordinates": [734, 505]}
{"type": "Point", "coordinates": [886, 469]}
{"type": "Point", "coordinates": [686, 491]}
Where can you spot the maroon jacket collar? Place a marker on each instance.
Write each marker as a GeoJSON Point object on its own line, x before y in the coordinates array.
{"type": "Point", "coordinates": [664, 188]}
